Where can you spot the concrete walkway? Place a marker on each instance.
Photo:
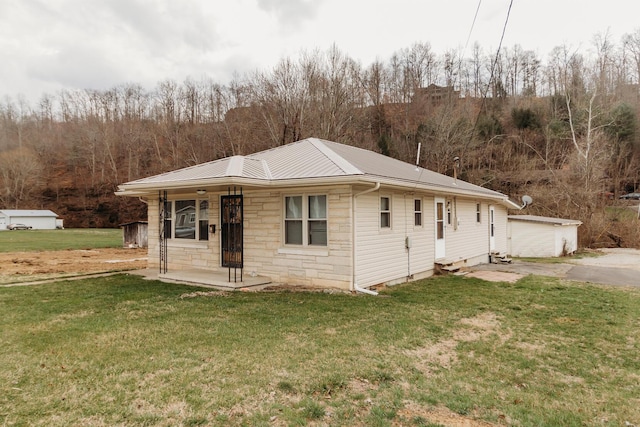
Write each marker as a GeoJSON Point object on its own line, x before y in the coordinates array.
{"type": "Point", "coordinates": [619, 266]}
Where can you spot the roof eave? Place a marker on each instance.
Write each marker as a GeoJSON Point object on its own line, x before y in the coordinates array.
{"type": "Point", "coordinates": [147, 189]}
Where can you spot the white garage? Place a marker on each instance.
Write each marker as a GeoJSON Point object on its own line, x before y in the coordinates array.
{"type": "Point", "coordinates": [37, 219]}
{"type": "Point", "coordinates": [540, 236]}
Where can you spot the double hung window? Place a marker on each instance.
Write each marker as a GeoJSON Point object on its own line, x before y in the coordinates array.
{"type": "Point", "coordinates": [305, 220]}
{"type": "Point", "coordinates": [385, 212]}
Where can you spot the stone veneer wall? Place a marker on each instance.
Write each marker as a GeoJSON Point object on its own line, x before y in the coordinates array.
{"type": "Point", "coordinates": [264, 251]}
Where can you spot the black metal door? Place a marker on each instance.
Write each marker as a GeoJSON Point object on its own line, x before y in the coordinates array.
{"type": "Point", "coordinates": [164, 225]}
{"type": "Point", "coordinates": [232, 232]}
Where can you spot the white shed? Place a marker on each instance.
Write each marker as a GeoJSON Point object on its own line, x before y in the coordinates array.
{"type": "Point", "coordinates": [38, 219]}
{"type": "Point", "coordinates": [540, 236]}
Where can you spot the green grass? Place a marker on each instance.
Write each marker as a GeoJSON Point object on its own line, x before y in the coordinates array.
{"type": "Point", "coordinates": [124, 351]}
{"type": "Point", "coordinates": [54, 240]}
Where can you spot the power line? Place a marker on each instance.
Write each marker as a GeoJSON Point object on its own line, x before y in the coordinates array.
{"type": "Point", "coordinates": [493, 68]}
{"type": "Point", "coordinates": [472, 25]}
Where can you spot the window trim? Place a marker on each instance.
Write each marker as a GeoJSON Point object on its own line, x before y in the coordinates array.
{"type": "Point", "coordinates": [305, 220]}
{"type": "Point", "coordinates": [196, 215]}
{"type": "Point", "coordinates": [419, 212]}
{"type": "Point", "coordinates": [478, 213]}
{"type": "Point", "coordinates": [385, 212]}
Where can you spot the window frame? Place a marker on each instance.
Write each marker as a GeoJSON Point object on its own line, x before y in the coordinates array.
{"type": "Point", "coordinates": [305, 220]}
{"type": "Point", "coordinates": [197, 220]}
{"type": "Point", "coordinates": [385, 213]}
{"type": "Point", "coordinates": [478, 213]}
{"type": "Point", "coordinates": [418, 213]}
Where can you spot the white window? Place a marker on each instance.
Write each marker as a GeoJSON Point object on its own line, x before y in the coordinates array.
{"type": "Point", "coordinates": [305, 220]}
{"type": "Point", "coordinates": [188, 222]}
{"type": "Point", "coordinates": [478, 215]}
{"type": "Point", "coordinates": [385, 212]}
{"type": "Point", "coordinates": [417, 212]}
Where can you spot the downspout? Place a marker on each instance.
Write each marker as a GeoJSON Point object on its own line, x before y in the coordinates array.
{"type": "Point", "coordinates": [353, 240]}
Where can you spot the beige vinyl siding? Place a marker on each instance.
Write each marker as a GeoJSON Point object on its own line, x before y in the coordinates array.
{"type": "Point", "coordinates": [468, 239]}
{"type": "Point", "coordinates": [381, 255]}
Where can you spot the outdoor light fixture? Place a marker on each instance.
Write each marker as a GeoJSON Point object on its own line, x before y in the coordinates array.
{"type": "Point", "coordinates": [201, 192]}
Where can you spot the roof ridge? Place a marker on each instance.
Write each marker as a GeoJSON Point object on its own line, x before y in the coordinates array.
{"type": "Point", "coordinates": [235, 166]}
{"type": "Point", "coordinates": [267, 170]}
{"type": "Point", "coordinates": [345, 165]}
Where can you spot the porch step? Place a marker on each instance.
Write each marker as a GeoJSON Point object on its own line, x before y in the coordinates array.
{"type": "Point", "coordinates": [498, 258]}
{"type": "Point", "coordinates": [449, 266]}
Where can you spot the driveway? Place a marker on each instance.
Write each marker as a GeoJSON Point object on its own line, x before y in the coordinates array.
{"type": "Point", "coordinates": [617, 266]}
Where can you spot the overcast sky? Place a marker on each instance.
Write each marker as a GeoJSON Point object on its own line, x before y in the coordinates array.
{"type": "Point", "coordinates": [49, 45]}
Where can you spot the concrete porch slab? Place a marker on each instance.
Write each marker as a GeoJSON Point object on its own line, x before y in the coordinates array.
{"type": "Point", "coordinates": [206, 278]}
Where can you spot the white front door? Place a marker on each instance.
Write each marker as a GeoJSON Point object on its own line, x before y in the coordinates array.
{"type": "Point", "coordinates": [492, 229]}
{"type": "Point", "coordinates": [440, 229]}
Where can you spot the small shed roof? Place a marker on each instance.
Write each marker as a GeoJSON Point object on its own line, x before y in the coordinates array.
{"type": "Point", "coordinates": [28, 212]}
{"type": "Point", "coordinates": [133, 223]}
{"type": "Point", "coordinates": [544, 220]}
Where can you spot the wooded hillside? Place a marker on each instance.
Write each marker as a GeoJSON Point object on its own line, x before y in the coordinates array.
{"type": "Point", "coordinates": [563, 130]}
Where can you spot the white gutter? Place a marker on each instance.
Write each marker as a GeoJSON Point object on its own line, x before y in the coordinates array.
{"type": "Point", "coordinates": [357, 288]}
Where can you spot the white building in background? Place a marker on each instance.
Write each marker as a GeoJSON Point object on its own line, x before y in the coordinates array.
{"type": "Point", "coordinates": [540, 236]}
{"type": "Point", "coordinates": [37, 219]}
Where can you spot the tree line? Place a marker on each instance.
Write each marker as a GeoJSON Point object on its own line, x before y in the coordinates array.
{"type": "Point", "coordinates": [563, 129]}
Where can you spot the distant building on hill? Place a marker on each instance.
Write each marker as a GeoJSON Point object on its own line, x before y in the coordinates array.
{"type": "Point", "coordinates": [435, 94]}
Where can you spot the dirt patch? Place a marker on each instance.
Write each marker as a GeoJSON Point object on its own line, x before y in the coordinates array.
{"type": "Point", "coordinates": [16, 267]}
{"type": "Point", "coordinates": [441, 416]}
{"type": "Point", "coordinates": [443, 354]}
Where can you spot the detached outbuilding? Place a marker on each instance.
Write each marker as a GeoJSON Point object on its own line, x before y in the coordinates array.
{"type": "Point", "coordinates": [540, 236]}
{"type": "Point", "coordinates": [37, 219]}
{"type": "Point", "coordinates": [134, 234]}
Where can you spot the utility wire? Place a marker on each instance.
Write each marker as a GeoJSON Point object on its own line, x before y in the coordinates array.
{"type": "Point", "coordinates": [473, 24]}
{"type": "Point", "coordinates": [493, 68]}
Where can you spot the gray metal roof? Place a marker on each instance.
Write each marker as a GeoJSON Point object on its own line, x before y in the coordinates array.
{"type": "Point", "coordinates": [312, 161]}
{"type": "Point", "coordinates": [28, 212]}
{"type": "Point", "coordinates": [544, 220]}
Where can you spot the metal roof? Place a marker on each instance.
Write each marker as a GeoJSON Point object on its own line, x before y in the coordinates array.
{"type": "Point", "coordinates": [544, 220]}
{"type": "Point", "coordinates": [310, 161]}
{"type": "Point", "coordinates": [28, 212]}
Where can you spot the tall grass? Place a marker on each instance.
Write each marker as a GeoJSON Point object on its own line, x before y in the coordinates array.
{"type": "Point", "coordinates": [123, 351]}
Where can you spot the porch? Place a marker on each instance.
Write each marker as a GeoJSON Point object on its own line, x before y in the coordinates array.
{"type": "Point", "coordinates": [207, 278]}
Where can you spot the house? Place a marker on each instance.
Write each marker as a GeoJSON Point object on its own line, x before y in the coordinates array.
{"type": "Point", "coordinates": [37, 219]}
{"type": "Point", "coordinates": [541, 236]}
{"type": "Point", "coordinates": [317, 213]}
{"type": "Point", "coordinates": [134, 234]}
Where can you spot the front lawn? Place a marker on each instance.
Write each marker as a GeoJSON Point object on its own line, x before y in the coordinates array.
{"type": "Point", "coordinates": [54, 240]}
{"type": "Point", "coordinates": [124, 351]}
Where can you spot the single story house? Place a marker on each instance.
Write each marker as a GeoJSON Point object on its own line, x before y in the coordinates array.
{"type": "Point", "coordinates": [38, 219]}
{"type": "Point", "coordinates": [541, 236]}
{"type": "Point", "coordinates": [318, 213]}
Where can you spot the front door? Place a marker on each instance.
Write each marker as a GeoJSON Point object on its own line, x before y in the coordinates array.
{"type": "Point", "coordinates": [492, 229]}
{"type": "Point", "coordinates": [232, 232]}
{"type": "Point", "coordinates": [440, 229]}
